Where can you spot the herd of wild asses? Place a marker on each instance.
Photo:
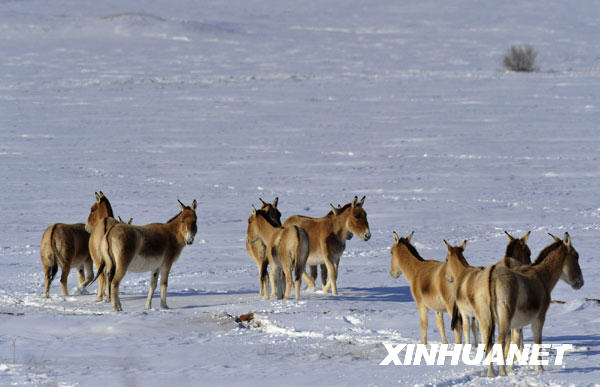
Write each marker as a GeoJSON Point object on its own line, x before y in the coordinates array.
{"type": "Point", "coordinates": [512, 293]}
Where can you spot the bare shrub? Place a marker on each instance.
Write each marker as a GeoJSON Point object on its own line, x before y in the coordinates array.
{"type": "Point", "coordinates": [520, 58]}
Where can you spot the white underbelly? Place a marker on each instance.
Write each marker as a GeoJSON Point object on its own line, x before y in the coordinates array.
{"type": "Point", "coordinates": [141, 264]}
{"type": "Point", "coordinates": [521, 319]}
{"type": "Point", "coordinates": [315, 259]}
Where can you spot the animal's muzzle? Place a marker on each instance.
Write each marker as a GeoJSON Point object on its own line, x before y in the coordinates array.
{"type": "Point", "coordinates": [189, 239]}
{"type": "Point", "coordinates": [578, 284]}
{"type": "Point", "coordinates": [367, 236]}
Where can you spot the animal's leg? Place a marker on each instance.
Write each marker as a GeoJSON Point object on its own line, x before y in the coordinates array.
{"type": "Point", "coordinates": [288, 281]}
{"type": "Point", "coordinates": [164, 281]}
{"type": "Point", "coordinates": [536, 328]}
{"type": "Point", "coordinates": [475, 330]}
{"type": "Point", "coordinates": [484, 326]}
{"type": "Point", "coordinates": [64, 275]}
{"type": "Point", "coordinates": [101, 286]}
{"type": "Point", "coordinates": [265, 279]}
{"type": "Point", "coordinates": [274, 283]}
{"type": "Point", "coordinates": [47, 280]}
{"type": "Point", "coordinates": [323, 274]}
{"type": "Point", "coordinates": [114, 289]}
{"type": "Point", "coordinates": [520, 341]}
{"type": "Point", "coordinates": [423, 322]}
{"type": "Point", "coordinates": [260, 279]}
{"type": "Point", "coordinates": [80, 276]}
{"type": "Point", "coordinates": [310, 283]}
{"type": "Point", "coordinates": [439, 321]}
{"type": "Point", "coordinates": [313, 274]}
{"type": "Point", "coordinates": [153, 282]}
{"type": "Point", "coordinates": [503, 332]}
{"type": "Point", "coordinates": [332, 278]}
{"type": "Point", "coordinates": [109, 275]}
{"type": "Point", "coordinates": [512, 338]}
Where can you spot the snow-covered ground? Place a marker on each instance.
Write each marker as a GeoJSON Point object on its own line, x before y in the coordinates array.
{"type": "Point", "coordinates": [314, 102]}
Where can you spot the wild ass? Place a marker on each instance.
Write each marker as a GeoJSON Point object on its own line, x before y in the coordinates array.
{"type": "Point", "coordinates": [257, 251]}
{"type": "Point", "coordinates": [327, 236]}
{"type": "Point", "coordinates": [521, 296]}
{"type": "Point", "coordinates": [517, 253]}
{"type": "Point", "coordinates": [153, 247]}
{"type": "Point", "coordinates": [286, 248]}
{"type": "Point", "coordinates": [65, 245]}
{"type": "Point", "coordinates": [428, 285]}
{"type": "Point", "coordinates": [101, 218]}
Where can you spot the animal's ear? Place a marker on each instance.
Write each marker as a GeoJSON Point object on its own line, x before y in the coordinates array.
{"type": "Point", "coordinates": [130, 221]}
{"type": "Point", "coordinates": [410, 236]}
{"type": "Point", "coordinates": [181, 205]}
{"type": "Point", "coordinates": [120, 220]}
{"type": "Point", "coordinates": [463, 245]}
{"type": "Point", "coordinates": [262, 202]}
{"type": "Point", "coordinates": [510, 237]}
{"type": "Point", "coordinates": [447, 245]}
{"type": "Point", "coordinates": [194, 205]}
{"type": "Point", "coordinates": [396, 238]}
{"type": "Point", "coordinates": [526, 236]}
{"type": "Point", "coordinates": [354, 201]}
{"type": "Point", "coordinates": [275, 202]}
{"type": "Point", "coordinates": [101, 195]}
{"type": "Point", "coordinates": [335, 211]}
{"type": "Point", "coordinates": [97, 197]}
{"type": "Point", "coordinates": [556, 239]}
{"type": "Point", "coordinates": [361, 202]}
{"type": "Point", "coordinates": [567, 239]}
{"type": "Point", "coordinates": [253, 210]}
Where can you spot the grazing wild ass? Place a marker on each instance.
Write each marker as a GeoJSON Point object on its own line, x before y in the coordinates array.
{"type": "Point", "coordinates": [153, 247]}
{"type": "Point", "coordinates": [521, 296]}
{"type": "Point", "coordinates": [327, 236]}
{"type": "Point", "coordinates": [286, 248]}
{"type": "Point", "coordinates": [257, 251]}
{"type": "Point", "coordinates": [428, 285]}
{"type": "Point", "coordinates": [65, 245]}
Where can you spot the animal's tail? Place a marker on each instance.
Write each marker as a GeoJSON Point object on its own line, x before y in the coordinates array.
{"type": "Point", "coordinates": [302, 252]}
{"type": "Point", "coordinates": [100, 270]}
{"type": "Point", "coordinates": [493, 314]}
{"type": "Point", "coordinates": [456, 317]}
{"type": "Point", "coordinates": [54, 255]}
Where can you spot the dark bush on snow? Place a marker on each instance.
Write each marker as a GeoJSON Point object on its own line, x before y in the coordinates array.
{"type": "Point", "coordinates": [520, 58]}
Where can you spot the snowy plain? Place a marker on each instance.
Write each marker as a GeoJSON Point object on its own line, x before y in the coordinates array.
{"type": "Point", "coordinates": [313, 102]}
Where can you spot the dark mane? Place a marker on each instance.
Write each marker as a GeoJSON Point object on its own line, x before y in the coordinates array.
{"type": "Point", "coordinates": [546, 251]}
{"type": "Point", "coordinates": [510, 249]}
{"type": "Point", "coordinates": [175, 217]}
{"type": "Point", "coordinates": [340, 210]}
{"type": "Point", "coordinates": [411, 248]}
{"type": "Point", "coordinates": [105, 200]}
{"type": "Point", "coordinates": [266, 217]}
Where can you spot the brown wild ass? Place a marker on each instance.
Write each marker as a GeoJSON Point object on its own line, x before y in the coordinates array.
{"type": "Point", "coordinates": [428, 285]}
{"type": "Point", "coordinates": [517, 253]}
{"type": "Point", "coordinates": [257, 251]}
{"type": "Point", "coordinates": [286, 248]}
{"type": "Point", "coordinates": [65, 245]}
{"type": "Point", "coordinates": [153, 247]}
{"type": "Point", "coordinates": [521, 296]}
{"type": "Point", "coordinates": [327, 236]}
{"type": "Point", "coordinates": [100, 219]}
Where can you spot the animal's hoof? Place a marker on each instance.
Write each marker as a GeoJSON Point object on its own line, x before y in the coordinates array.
{"type": "Point", "coordinates": [164, 306]}
{"type": "Point", "coordinates": [335, 293]}
{"type": "Point", "coordinates": [98, 299]}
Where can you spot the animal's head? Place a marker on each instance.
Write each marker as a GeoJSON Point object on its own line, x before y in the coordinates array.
{"type": "Point", "coordinates": [100, 209]}
{"type": "Point", "coordinates": [455, 253]}
{"type": "Point", "coordinates": [270, 209]}
{"type": "Point", "coordinates": [400, 248]}
{"type": "Point", "coordinates": [356, 218]}
{"type": "Point", "coordinates": [187, 222]}
{"type": "Point", "coordinates": [571, 272]}
{"type": "Point", "coordinates": [517, 248]}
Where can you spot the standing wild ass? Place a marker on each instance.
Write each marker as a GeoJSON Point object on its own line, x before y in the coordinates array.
{"type": "Point", "coordinates": [521, 296]}
{"type": "Point", "coordinates": [286, 248]}
{"type": "Point", "coordinates": [65, 245]}
{"type": "Point", "coordinates": [327, 236]}
{"type": "Point", "coordinates": [257, 251]}
{"type": "Point", "coordinates": [153, 247]}
{"type": "Point", "coordinates": [101, 218]}
{"type": "Point", "coordinates": [428, 285]}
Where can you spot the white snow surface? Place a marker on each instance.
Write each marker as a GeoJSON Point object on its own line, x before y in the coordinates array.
{"type": "Point", "coordinates": [314, 102]}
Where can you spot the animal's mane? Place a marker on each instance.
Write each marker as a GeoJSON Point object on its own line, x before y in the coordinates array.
{"type": "Point", "coordinates": [266, 217]}
{"type": "Point", "coordinates": [510, 249]}
{"type": "Point", "coordinates": [546, 251]}
{"type": "Point", "coordinates": [411, 248]}
{"type": "Point", "coordinates": [103, 199]}
{"type": "Point", "coordinates": [340, 210]}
